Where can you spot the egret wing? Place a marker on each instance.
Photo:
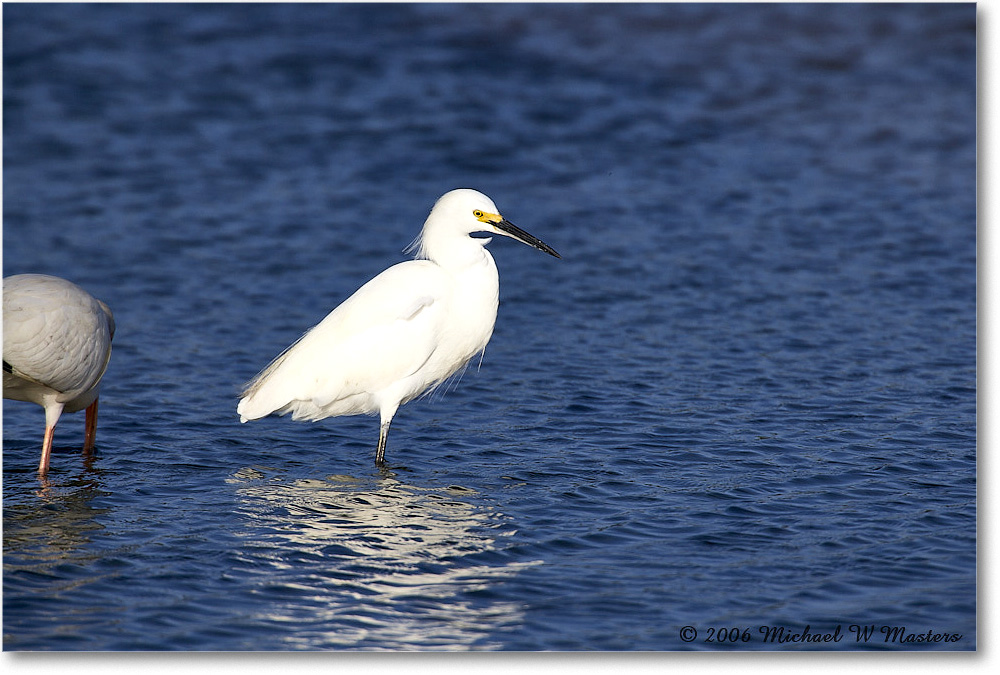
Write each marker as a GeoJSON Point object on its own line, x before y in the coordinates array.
{"type": "Point", "coordinates": [384, 332]}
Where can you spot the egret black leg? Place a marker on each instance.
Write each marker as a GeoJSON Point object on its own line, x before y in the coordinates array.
{"type": "Point", "coordinates": [383, 434]}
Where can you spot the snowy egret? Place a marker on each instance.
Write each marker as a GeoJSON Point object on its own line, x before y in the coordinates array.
{"type": "Point", "coordinates": [56, 347]}
{"type": "Point", "coordinates": [401, 334]}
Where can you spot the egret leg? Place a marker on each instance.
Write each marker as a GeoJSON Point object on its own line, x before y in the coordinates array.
{"type": "Point", "coordinates": [383, 434]}
{"type": "Point", "coordinates": [386, 411]}
{"type": "Point", "coordinates": [91, 428]}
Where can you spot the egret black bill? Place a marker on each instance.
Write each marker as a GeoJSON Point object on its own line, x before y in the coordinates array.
{"type": "Point", "coordinates": [519, 234]}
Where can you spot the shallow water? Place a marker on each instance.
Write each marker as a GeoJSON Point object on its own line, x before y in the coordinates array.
{"type": "Point", "coordinates": [745, 397]}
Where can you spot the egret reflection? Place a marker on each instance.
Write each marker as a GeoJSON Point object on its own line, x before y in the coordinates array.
{"type": "Point", "coordinates": [362, 565]}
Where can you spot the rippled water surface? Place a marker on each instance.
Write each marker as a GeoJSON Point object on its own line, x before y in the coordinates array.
{"type": "Point", "coordinates": [745, 397]}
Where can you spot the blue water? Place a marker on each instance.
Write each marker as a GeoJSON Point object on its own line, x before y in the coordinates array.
{"type": "Point", "coordinates": [745, 397]}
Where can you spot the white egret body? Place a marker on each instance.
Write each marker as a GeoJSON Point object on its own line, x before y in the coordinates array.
{"type": "Point", "coordinates": [56, 347]}
{"type": "Point", "coordinates": [401, 334]}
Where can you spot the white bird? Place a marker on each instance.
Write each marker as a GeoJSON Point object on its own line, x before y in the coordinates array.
{"type": "Point", "coordinates": [401, 334]}
{"type": "Point", "coordinates": [56, 347]}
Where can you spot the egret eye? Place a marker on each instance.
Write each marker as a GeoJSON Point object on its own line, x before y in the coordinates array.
{"type": "Point", "coordinates": [477, 214]}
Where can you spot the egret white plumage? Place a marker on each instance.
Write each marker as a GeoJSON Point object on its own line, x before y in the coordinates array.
{"type": "Point", "coordinates": [401, 334]}
{"type": "Point", "coordinates": [56, 348]}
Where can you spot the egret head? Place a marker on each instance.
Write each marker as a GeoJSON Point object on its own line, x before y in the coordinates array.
{"type": "Point", "coordinates": [461, 212]}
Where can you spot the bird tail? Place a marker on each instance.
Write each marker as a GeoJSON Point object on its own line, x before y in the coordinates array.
{"type": "Point", "coordinates": [251, 405]}
{"type": "Point", "coordinates": [241, 410]}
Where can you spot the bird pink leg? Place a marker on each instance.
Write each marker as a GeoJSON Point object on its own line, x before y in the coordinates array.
{"type": "Point", "coordinates": [52, 412]}
{"type": "Point", "coordinates": [90, 436]}
{"type": "Point", "coordinates": [43, 465]}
